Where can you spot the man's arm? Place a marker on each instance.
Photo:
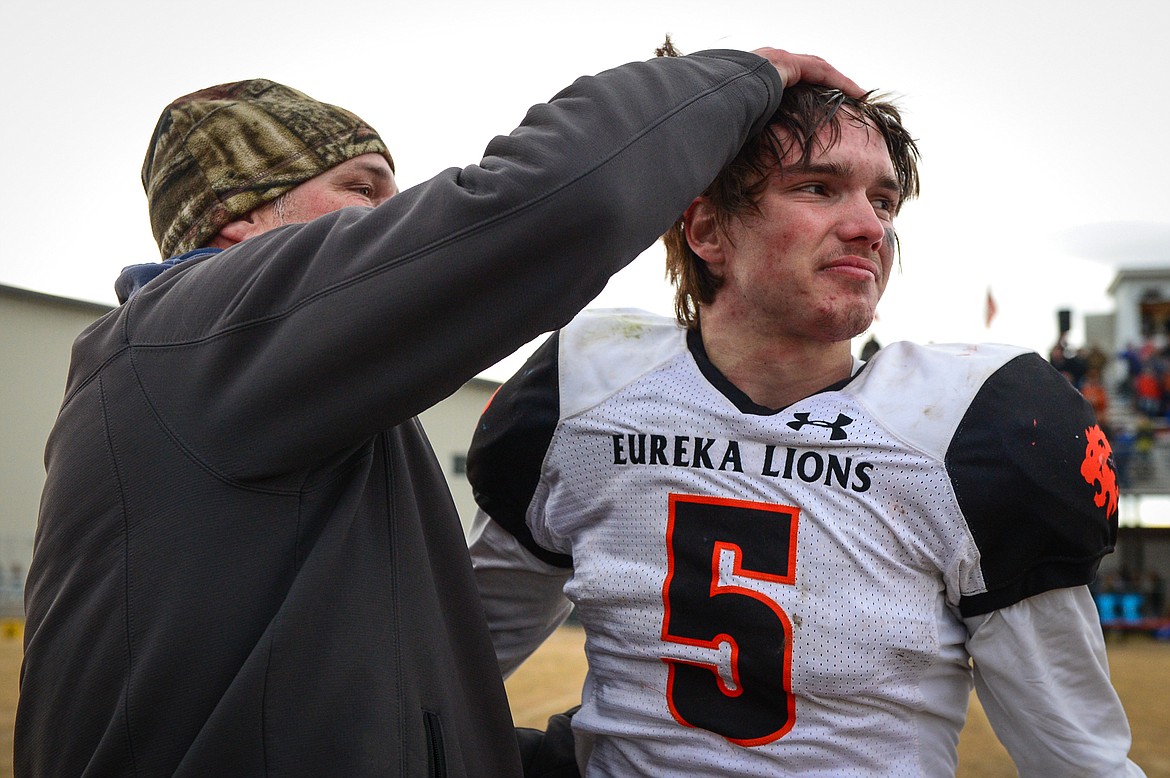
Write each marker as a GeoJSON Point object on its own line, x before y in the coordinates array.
{"type": "Point", "coordinates": [1043, 679]}
{"type": "Point", "coordinates": [317, 335]}
{"type": "Point", "coordinates": [522, 596]}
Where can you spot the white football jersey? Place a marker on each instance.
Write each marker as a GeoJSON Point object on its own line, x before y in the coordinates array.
{"type": "Point", "coordinates": [782, 592]}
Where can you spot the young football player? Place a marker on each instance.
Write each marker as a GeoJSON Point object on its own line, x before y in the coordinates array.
{"type": "Point", "coordinates": [786, 560]}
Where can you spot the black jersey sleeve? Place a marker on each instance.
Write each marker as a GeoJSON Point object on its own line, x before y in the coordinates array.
{"type": "Point", "coordinates": [508, 448]}
{"type": "Point", "coordinates": [1033, 476]}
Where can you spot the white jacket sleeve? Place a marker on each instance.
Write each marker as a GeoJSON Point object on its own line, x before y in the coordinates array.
{"type": "Point", "coordinates": [522, 596]}
{"type": "Point", "coordinates": [1042, 677]}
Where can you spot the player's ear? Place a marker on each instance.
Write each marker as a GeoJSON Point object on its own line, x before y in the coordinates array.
{"type": "Point", "coordinates": [704, 234]}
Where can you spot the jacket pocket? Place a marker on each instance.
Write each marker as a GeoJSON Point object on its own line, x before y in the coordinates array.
{"type": "Point", "coordinates": [436, 757]}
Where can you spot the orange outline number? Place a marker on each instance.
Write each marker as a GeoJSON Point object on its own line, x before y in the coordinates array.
{"type": "Point", "coordinates": [755, 706]}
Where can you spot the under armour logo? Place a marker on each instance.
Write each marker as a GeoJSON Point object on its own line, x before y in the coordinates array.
{"type": "Point", "coordinates": [838, 426]}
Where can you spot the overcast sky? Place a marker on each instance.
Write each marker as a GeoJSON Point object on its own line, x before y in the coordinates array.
{"type": "Point", "coordinates": [1042, 123]}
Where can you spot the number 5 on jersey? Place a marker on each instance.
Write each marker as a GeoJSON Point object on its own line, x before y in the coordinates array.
{"type": "Point", "coordinates": [755, 705]}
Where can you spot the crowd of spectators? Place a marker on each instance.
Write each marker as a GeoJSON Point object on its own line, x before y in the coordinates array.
{"type": "Point", "coordinates": [1147, 376]}
{"type": "Point", "coordinates": [1140, 379]}
{"type": "Point", "coordinates": [1143, 385]}
{"type": "Point", "coordinates": [1085, 369]}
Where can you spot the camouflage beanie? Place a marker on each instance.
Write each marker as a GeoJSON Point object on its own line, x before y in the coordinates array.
{"type": "Point", "coordinates": [220, 153]}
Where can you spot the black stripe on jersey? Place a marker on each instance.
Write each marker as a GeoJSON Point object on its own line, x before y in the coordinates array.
{"type": "Point", "coordinates": [1015, 463]}
{"type": "Point", "coordinates": [508, 448]}
{"type": "Point", "coordinates": [729, 390]}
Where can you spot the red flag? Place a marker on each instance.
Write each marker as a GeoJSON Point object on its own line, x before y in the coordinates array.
{"type": "Point", "coordinates": [989, 309]}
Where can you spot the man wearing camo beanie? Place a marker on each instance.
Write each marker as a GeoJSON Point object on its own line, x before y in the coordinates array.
{"type": "Point", "coordinates": [219, 153]}
{"type": "Point", "coordinates": [247, 560]}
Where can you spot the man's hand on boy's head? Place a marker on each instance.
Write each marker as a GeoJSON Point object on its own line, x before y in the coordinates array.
{"type": "Point", "coordinates": [794, 68]}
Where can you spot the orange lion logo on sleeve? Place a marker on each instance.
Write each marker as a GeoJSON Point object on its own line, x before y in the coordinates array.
{"type": "Point", "coordinates": [1097, 470]}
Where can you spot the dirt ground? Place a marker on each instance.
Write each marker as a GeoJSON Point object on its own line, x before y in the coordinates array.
{"type": "Point", "coordinates": [550, 682]}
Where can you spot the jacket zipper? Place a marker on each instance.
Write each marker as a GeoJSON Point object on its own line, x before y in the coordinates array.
{"type": "Point", "coordinates": [436, 759]}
